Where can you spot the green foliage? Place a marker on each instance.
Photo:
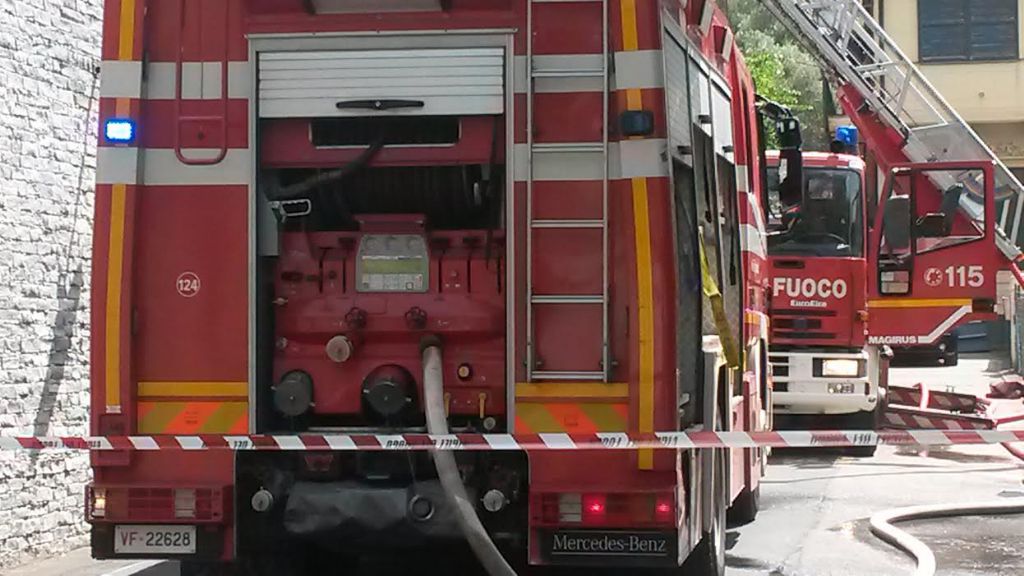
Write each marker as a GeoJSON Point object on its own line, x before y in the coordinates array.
{"type": "Point", "coordinates": [781, 68]}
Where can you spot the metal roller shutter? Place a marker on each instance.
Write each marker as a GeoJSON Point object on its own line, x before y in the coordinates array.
{"type": "Point", "coordinates": [460, 81]}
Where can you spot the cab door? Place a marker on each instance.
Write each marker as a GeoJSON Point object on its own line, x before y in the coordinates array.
{"type": "Point", "coordinates": [933, 252]}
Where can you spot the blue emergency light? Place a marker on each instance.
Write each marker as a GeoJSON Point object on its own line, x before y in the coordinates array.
{"type": "Point", "coordinates": [119, 130]}
{"type": "Point", "coordinates": [848, 135]}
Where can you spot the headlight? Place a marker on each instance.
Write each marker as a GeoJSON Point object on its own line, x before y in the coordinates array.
{"type": "Point", "coordinates": [840, 367]}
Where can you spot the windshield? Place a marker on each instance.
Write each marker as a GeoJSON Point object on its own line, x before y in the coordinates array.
{"type": "Point", "coordinates": [829, 222]}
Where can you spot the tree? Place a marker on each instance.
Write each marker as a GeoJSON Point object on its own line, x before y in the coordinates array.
{"type": "Point", "coordinates": [782, 70]}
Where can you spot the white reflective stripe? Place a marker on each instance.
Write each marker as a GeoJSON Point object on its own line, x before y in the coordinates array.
{"type": "Point", "coordinates": [392, 441]}
{"type": "Point", "coordinates": [121, 79]}
{"type": "Point", "coordinates": [738, 439]}
{"type": "Point", "coordinates": [674, 439]}
{"type": "Point", "coordinates": [200, 80]}
{"type": "Point", "coordinates": [337, 442]}
{"type": "Point", "coordinates": [95, 442]}
{"type": "Point", "coordinates": [501, 442]}
{"type": "Point", "coordinates": [994, 436]}
{"type": "Point", "coordinates": [161, 167]}
{"type": "Point", "coordinates": [929, 437]}
{"type": "Point", "coordinates": [117, 165]}
{"type": "Point", "coordinates": [627, 159]}
{"type": "Point", "coordinates": [143, 442]}
{"type": "Point", "coordinates": [642, 159]}
{"type": "Point", "coordinates": [190, 442]}
{"type": "Point", "coordinates": [447, 442]}
{"type": "Point", "coordinates": [614, 439]}
{"type": "Point", "coordinates": [796, 437]}
{"type": "Point", "coordinates": [752, 240]}
{"type": "Point", "coordinates": [945, 326]}
{"type": "Point", "coordinates": [9, 443]}
{"type": "Point", "coordinates": [636, 69]}
{"type": "Point", "coordinates": [239, 442]}
{"type": "Point", "coordinates": [742, 183]}
{"type": "Point", "coordinates": [557, 441]}
{"type": "Point", "coordinates": [289, 442]}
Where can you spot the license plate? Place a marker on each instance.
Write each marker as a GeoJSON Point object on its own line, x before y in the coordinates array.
{"type": "Point", "coordinates": [154, 539]}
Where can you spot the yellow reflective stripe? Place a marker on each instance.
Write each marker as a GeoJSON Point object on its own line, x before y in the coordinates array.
{"type": "Point", "coordinates": [572, 390]}
{"type": "Point", "coordinates": [630, 41]}
{"type": "Point", "coordinates": [115, 262]}
{"type": "Point", "coordinates": [645, 314]}
{"type": "Point", "coordinates": [725, 334]}
{"type": "Point", "coordinates": [193, 417]}
{"type": "Point", "coordinates": [176, 389]}
{"type": "Point", "coordinates": [126, 34]}
{"type": "Point", "coordinates": [571, 417]}
{"type": "Point", "coordinates": [919, 302]}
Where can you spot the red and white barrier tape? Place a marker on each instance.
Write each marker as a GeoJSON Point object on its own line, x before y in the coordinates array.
{"type": "Point", "coordinates": [506, 442]}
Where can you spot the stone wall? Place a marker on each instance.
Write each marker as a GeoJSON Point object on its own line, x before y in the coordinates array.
{"type": "Point", "coordinates": [49, 51]}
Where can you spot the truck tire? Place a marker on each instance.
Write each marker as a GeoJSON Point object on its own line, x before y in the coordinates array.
{"type": "Point", "coordinates": [744, 509]}
{"type": "Point", "coordinates": [863, 421]}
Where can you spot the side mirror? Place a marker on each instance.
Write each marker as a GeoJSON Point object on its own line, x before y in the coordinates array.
{"type": "Point", "coordinates": [896, 223]}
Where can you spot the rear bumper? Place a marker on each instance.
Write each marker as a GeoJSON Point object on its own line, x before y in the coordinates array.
{"type": "Point", "coordinates": [800, 391]}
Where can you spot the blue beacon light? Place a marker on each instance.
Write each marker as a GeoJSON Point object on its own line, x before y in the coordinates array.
{"type": "Point", "coordinates": [119, 130]}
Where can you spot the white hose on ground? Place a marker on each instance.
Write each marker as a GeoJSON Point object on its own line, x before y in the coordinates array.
{"type": "Point", "coordinates": [448, 472]}
{"type": "Point", "coordinates": [882, 526]}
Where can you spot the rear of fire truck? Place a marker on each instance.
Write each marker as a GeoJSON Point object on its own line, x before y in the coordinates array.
{"type": "Point", "coordinates": [825, 372]}
{"type": "Point", "coordinates": [332, 222]}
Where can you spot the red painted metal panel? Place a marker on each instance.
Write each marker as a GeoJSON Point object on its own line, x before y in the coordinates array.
{"type": "Point", "coordinates": [568, 336]}
{"type": "Point", "coordinates": [184, 334]}
{"type": "Point", "coordinates": [211, 31]}
{"type": "Point", "coordinates": [567, 261]}
{"type": "Point", "coordinates": [567, 199]}
{"type": "Point", "coordinates": [159, 120]}
{"type": "Point", "coordinates": [572, 117]}
{"type": "Point", "coordinates": [567, 28]}
{"type": "Point", "coordinates": [286, 143]}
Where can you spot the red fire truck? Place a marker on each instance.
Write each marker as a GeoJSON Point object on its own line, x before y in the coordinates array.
{"type": "Point", "coordinates": [318, 218]}
{"type": "Point", "coordinates": [825, 372]}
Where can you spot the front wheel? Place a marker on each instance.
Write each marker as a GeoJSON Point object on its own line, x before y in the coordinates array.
{"type": "Point", "coordinates": [744, 509]}
{"type": "Point", "coordinates": [863, 421]}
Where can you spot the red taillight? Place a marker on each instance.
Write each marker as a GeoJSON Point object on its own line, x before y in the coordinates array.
{"type": "Point", "coordinates": [664, 508]}
{"type": "Point", "coordinates": [594, 508]}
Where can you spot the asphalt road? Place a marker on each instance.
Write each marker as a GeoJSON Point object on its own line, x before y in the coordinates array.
{"type": "Point", "coordinates": [815, 507]}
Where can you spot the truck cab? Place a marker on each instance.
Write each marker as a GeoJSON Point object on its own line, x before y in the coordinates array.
{"type": "Point", "coordinates": [823, 368]}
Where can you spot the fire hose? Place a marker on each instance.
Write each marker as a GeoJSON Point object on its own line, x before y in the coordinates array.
{"type": "Point", "coordinates": [447, 469]}
{"type": "Point", "coordinates": [882, 526]}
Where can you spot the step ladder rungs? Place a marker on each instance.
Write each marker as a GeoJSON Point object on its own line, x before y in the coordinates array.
{"type": "Point", "coordinates": [567, 299]}
{"type": "Point", "coordinates": [564, 147]}
{"type": "Point", "coordinates": [572, 375]}
{"type": "Point", "coordinates": [569, 73]}
{"type": "Point", "coordinates": [568, 224]}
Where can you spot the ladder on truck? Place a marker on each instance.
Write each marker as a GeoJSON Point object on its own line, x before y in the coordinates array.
{"type": "Point", "coordinates": [555, 67]}
{"type": "Point", "coordinates": [853, 49]}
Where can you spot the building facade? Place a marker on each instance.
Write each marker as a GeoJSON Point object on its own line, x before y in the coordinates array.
{"type": "Point", "coordinates": [49, 52]}
{"type": "Point", "coordinates": [971, 51]}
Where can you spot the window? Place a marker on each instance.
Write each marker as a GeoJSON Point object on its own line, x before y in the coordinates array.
{"type": "Point", "coordinates": [830, 220]}
{"type": "Point", "coordinates": [967, 30]}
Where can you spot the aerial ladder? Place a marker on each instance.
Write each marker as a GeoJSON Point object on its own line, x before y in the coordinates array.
{"type": "Point", "coordinates": [910, 126]}
{"type": "Point", "coordinates": [878, 83]}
